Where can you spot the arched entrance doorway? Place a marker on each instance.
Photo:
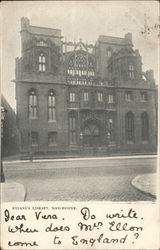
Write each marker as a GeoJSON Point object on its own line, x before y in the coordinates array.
{"type": "Point", "coordinates": [92, 134]}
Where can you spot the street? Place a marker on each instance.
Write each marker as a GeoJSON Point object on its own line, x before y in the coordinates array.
{"type": "Point", "coordinates": [107, 179]}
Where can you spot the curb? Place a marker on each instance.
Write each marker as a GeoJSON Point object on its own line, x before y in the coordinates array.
{"type": "Point", "coordinates": [136, 186]}
{"type": "Point", "coordinates": [83, 159]}
{"type": "Point", "coordinates": [12, 192]}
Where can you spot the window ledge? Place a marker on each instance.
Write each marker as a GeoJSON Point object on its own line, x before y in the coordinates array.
{"type": "Point", "coordinates": [145, 142]}
{"type": "Point", "coordinates": [112, 144]}
{"type": "Point", "coordinates": [52, 121]}
{"type": "Point", "coordinates": [130, 142]}
{"type": "Point", "coordinates": [33, 118]}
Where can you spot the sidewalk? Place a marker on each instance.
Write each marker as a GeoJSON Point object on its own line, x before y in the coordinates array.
{"type": "Point", "coordinates": [115, 157]}
{"type": "Point", "coordinates": [146, 183]}
{"type": "Point", "coordinates": [12, 192]}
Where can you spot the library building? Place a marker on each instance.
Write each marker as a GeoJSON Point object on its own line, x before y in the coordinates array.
{"type": "Point", "coordinates": [75, 98]}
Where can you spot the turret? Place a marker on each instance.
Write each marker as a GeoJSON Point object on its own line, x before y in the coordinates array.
{"type": "Point", "coordinates": [24, 23]}
{"type": "Point", "coordinates": [149, 75]}
{"type": "Point", "coordinates": [128, 38]}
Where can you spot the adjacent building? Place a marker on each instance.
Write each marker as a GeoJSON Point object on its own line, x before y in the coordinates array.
{"type": "Point", "coordinates": [10, 136]}
{"type": "Point", "coordinates": [74, 97]}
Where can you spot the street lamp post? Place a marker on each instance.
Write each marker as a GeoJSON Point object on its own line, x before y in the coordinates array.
{"type": "Point", "coordinates": [108, 140]}
{"type": "Point", "coordinates": [3, 113]}
{"type": "Point", "coordinates": [108, 137]}
{"type": "Point", "coordinates": [30, 135]}
{"type": "Point", "coordinates": [81, 138]}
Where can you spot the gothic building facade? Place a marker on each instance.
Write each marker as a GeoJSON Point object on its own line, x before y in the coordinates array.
{"type": "Point", "coordinates": [74, 97]}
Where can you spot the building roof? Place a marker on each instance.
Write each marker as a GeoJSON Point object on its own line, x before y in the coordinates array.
{"type": "Point", "coordinates": [127, 39]}
{"type": "Point", "coordinates": [45, 31]}
{"type": "Point", "coordinates": [111, 39]}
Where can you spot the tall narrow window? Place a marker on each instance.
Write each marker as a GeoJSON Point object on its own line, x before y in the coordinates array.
{"type": "Point", "coordinates": [144, 126]}
{"type": "Point", "coordinates": [34, 139]}
{"type": "Point", "coordinates": [129, 127]}
{"type": "Point", "coordinates": [110, 99]}
{"type": "Point", "coordinates": [72, 129]}
{"type": "Point", "coordinates": [52, 139]}
{"type": "Point", "coordinates": [32, 104]}
{"type": "Point", "coordinates": [100, 97]}
{"type": "Point", "coordinates": [144, 96]}
{"type": "Point", "coordinates": [85, 96]}
{"type": "Point", "coordinates": [72, 97]}
{"type": "Point", "coordinates": [109, 52]}
{"type": "Point", "coordinates": [128, 96]}
{"type": "Point", "coordinates": [51, 106]}
{"type": "Point", "coordinates": [131, 71]}
{"type": "Point", "coordinates": [42, 62]}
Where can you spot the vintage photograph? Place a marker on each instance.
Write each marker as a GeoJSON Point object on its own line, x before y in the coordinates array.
{"type": "Point", "coordinates": [79, 102]}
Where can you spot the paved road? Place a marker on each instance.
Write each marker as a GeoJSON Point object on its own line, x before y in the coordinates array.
{"type": "Point", "coordinates": [90, 179]}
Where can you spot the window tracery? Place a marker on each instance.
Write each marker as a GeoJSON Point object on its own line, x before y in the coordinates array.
{"type": "Point", "coordinates": [80, 69]}
{"type": "Point", "coordinates": [42, 62]}
{"type": "Point", "coordinates": [129, 126]}
{"type": "Point", "coordinates": [32, 104]}
{"type": "Point", "coordinates": [144, 126]}
{"type": "Point", "coordinates": [51, 106]}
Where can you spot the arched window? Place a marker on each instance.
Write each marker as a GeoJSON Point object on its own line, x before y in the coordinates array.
{"type": "Point", "coordinates": [81, 68]}
{"type": "Point", "coordinates": [129, 127]}
{"type": "Point", "coordinates": [131, 71]}
{"type": "Point", "coordinates": [90, 67]}
{"type": "Point", "coordinates": [34, 139]}
{"type": "Point", "coordinates": [32, 104]}
{"type": "Point", "coordinates": [72, 129]}
{"type": "Point", "coordinates": [51, 106]}
{"type": "Point", "coordinates": [52, 139]}
{"type": "Point", "coordinates": [100, 97]}
{"type": "Point", "coordinates": [86, 96]}
{"type": "Point", "coordinates": [144, 126]}
{"type": "Point", "coordinates": [109, 52]}
{"type": "Point", "coordinates": [42, 62]}
{"type": "Point", "coordinates": [110, 98]}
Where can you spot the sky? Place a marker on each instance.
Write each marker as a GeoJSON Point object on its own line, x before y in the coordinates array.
{"type": "Point", "coordinates": [79, 19]}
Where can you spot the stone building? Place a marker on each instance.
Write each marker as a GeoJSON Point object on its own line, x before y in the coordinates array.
{"type": "Point", "coordinates": [74, 97]}
{"type": "Point", "coordinates": [10, 135]}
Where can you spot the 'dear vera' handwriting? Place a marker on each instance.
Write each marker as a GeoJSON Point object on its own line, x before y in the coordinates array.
{"type": "Point", "coordinates": [38, 216]}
